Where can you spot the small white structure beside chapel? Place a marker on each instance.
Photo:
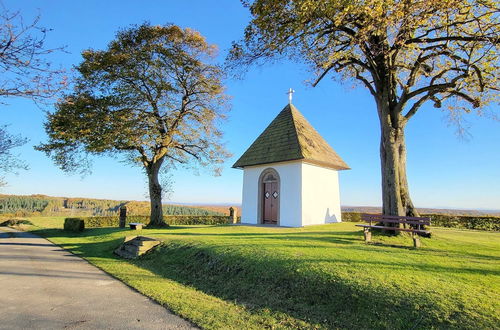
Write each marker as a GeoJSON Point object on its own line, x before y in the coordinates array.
{"type": "Point", "coordinates": [290, 175]}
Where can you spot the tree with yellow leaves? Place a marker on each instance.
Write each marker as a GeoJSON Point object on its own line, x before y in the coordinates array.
{"type": "Point", "coordinates": [153, 96]}
{"type": "Point", "coordinates": [405, 52]}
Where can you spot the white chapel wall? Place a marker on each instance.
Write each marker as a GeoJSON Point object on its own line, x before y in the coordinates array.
{"type": "Point", "coordinates": [320, 195]}
{"type": "Point", "coordinates": [290, 188]}
{"type": "Point", "coordinates": [249, 205]}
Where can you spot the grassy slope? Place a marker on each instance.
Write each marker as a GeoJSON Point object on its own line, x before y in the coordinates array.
{"type": "Point", "coordinates": [322, 276]}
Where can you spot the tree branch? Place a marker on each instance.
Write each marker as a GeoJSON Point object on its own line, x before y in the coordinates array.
{"type": "Point", "coordinates": [494, 40]}
{"type": "Point", "coordinates": [184, 148]}
{"type": "Point", "coordinates": [417, 105]}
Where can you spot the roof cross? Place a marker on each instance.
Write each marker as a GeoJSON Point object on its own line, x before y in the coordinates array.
{"type": "Point", "coordinates": [290, 93]}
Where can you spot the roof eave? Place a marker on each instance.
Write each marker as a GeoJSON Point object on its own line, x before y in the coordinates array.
{"type": "Point", "coordinates": [337, 167]}
{"type": "Point", "coordinates": [240, 166]}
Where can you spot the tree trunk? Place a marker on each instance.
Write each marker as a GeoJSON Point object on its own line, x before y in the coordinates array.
{"type": "Point", "coordinates": [395, 192]}
{"type": "Point", "coordinates": [156, 217]}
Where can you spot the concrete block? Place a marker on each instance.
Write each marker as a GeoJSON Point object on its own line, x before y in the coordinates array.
{"type": "Point", "coordinates": [135, 246]}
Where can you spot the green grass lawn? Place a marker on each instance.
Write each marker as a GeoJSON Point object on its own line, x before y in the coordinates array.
{"type": "Point", "coordinates": [313, 277]}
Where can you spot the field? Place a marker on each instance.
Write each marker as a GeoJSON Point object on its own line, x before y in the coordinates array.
{"type": "Point", "coordinates": [42, 205]}
{"type": "Point", "coordinates": [314, 277]}
{"type": "Point", "coordinates": [222, 209]}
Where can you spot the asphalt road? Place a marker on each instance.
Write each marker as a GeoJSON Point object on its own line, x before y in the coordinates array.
{"type": "Point", "coordinates": [45, 287]}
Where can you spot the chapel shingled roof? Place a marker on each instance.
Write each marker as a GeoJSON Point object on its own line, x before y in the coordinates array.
{"type": "Point", "coordinates": [290, 137]}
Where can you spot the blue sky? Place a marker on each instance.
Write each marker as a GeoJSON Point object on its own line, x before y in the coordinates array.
{"type": "Point", "coordinates": [444, 170]}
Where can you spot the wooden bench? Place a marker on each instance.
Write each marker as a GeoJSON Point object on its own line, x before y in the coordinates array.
{"type": "Point", "coordinates": [136, 225]}
{"type": "Point", "coordinates": [415, 225]}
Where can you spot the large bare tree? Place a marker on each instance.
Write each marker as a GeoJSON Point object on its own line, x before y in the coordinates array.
{"type": "Point", "coordinates": [9, 162]}
{"type": "Point", "coordinates": [25, 70]}
{"type": "Point", "coordinates": [151, 95]}
{"type": "Point", "coordinates": [405, 52]}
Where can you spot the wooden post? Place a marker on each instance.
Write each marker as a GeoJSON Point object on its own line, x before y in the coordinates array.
{"type": "Point", "coordinates": [232, 215]}
{"type": "Point", "coordinates": [368, 235]}
{"type": "Point", "coordinates": [123, 216]}
{"type": "Point", "coordinates": [416, 241]}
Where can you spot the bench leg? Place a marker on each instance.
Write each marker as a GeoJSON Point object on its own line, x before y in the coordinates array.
{"type": "Point", "coordinates": [416, 241]}
{"type": "Point", "coordinates": [368, 235]}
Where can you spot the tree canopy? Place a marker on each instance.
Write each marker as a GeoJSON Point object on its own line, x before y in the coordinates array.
{"type": "Point", "coordinates": [405, 52]}
{"type": "Point", "coordinates": [431, 50]}
{"type": "Point", "coordinates": [151, 95]}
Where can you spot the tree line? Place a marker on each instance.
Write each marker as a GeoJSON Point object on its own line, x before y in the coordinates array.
{"type": "Point", "coordinates": [46, 205]}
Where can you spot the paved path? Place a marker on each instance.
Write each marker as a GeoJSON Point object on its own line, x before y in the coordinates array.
{"type": "Point", "coordinates": [45, 287]}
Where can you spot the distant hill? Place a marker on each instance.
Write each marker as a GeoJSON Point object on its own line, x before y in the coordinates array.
{"type": "Point", "coordinates": [15, 205]}
{"type": "Point", "coordinates": [362, 209]}
{"type": "Point", "coordinates": [223, 209]}
{"type": "Point", "coordinates": [19, 205]}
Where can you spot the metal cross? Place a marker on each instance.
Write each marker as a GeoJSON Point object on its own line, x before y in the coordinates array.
{"type": "Point", "coordinates": [290, 92]}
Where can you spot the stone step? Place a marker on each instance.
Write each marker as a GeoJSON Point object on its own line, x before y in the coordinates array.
{"type": "Point", "coordinates": [134, 246]}
{"type": "Point", "coordinates": [124, 254]}
{"type": "Point", "coordinates": [143, 241]}
{"type": "Point", "coordinates": [131, 248]}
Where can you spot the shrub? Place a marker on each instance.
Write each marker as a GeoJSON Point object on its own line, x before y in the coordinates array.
{"type": "Point", "coordinates": [351, 217]}
{"type": "Point", "coordinates": [197, 220]}
{"type": "Point", "coordinates": [74, 224]}
{"type": "Point", "coordinates": [114, 221]}
{"type": "Point", "coordinates": [183, 219]}
{"type": "Point", "coordinates": [488, 223]}
{"type": "Point", "coordinates": [98, 222]}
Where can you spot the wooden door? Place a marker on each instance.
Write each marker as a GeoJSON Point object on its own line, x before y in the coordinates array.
{"type": "Point", "coordinates": [270, 202]}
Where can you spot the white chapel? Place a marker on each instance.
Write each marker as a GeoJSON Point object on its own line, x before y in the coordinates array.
{"type": "Point", "coordinates": [290, 175]}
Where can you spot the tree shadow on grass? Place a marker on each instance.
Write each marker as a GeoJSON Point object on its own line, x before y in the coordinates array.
{"type": "Point", "coordinates": [313, 296]}
{"type": "Point", "coordinates": [52, 232]}
{"type": "Point", "coordinates": [297, 237]}
{"type": "Point", "coordinates": [277, 284]}
{"type": "Point", "coordinates": [353, 237]}
{"type": "Point", "coordinates": [281, 285]}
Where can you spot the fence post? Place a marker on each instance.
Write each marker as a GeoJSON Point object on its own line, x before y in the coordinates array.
{"type": "Point", "coordinates": [123, 216]}
{"type": "Point", "coordinates": [232, 215]}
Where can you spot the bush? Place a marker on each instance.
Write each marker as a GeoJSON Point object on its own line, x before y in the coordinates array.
{"type": "Point", "coordinates": [98, 222]}
{"type": "Point", "coordinates": [184, 219]}
{"type": "Point", "coordinates": [74, 224]}
{"type": "Point", "coordinates": [114, 221]}
{"type": "Point", "coordinates": [488, 223]}
{"type": "Point", "coordinates": [351, 217]}
{"type": "Point", "coordinates": [197, 220]}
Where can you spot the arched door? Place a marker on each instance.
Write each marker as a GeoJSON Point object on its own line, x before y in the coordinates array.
{"type": "Point", "coordinates": [270, 197]}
